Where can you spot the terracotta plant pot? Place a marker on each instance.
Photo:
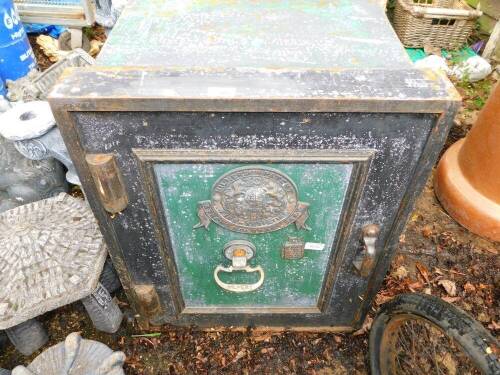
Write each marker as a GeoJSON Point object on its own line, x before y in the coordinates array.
{"type": "Point", "coordinates": [468, 175]}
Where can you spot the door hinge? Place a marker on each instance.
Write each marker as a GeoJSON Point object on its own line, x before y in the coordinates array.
{"type": "Point", "coordinates": [108, 181]}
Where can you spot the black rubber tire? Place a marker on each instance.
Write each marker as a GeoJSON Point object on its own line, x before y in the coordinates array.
{"type": "Point", "coordinates": [472, 337]}
{"type": "Point", "coordinates": [109, 277]}
{"type": "Point", "coordinates": [28, 336]}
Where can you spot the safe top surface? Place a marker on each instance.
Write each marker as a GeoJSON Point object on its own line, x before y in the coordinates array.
{"type": "Point", "coordinates": [312, 34]}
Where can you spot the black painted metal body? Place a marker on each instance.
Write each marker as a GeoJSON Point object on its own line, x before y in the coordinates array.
{"type": "Point", "coordinates": [389, 125]}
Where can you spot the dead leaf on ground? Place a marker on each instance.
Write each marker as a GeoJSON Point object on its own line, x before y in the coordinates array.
{"type": "Point", "coordinates": [365, 327]}
{"type": "Point", "coordinates": [450, 299]}
{"type": "Point", "coordinates": [493, 349]}
{"type": "Point", "coordinates": [457, 273]}
{"type": "Point", "coordinates": [400, 273]}
{"type": "Point", "coordinates": [267, 350]}
{"type": "Point", "coordinates": [492, 250]}
{"type": "Point", "coordinates": [327, 355]}
{"type": "Point", "coordinates": [261, 337]}
{"type": "Point", "coordinates": [239, 355]}
{"type": "Point", "coordinates": [415, 217]}
{"type": "Point", "coordinates": [50, 48]}
{"type": "Point", "coordinates": [485, 286]}
{"type": "Point", "coordinates": [469, 287]}
{"type": "Point", "coordinates": [423, 271]}
{"type": "Point", "coordinates": [494, 326]}
{"type": "Point", "coordinates": [398, 261]}
{"type": "Point", "coordinates": [336, 368]}
{"type": "Point", "coordinates": [415, 286]}
{"type": "Point", "coordinates": [317, 341]}
{"type": "Point", "coordinates": [449, 286]}
{"type": "Point", "coordinates": [380, 299]}
{"type": "Point", "coordinates": [438, 271]}
{"type": "Point", "coordinates": [483, 317]}
{"type": "Point", "coordinates": [448, 362]}
{"type": "Point", "coordinates": [95, 47]}
{"type": "Point", "coordinates": [427, 231]}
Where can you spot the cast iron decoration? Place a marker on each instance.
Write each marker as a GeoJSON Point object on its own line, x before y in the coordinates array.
{"type": "Point", "coordinates": [253, 200]}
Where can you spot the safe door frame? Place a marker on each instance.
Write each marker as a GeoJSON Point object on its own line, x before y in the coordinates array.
{"type": "Point", "coordinates": [360, 159]}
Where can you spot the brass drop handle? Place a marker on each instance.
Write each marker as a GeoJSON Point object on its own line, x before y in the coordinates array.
{"type": "Point", "coordinates": [365, 261]}
{"type": "Point", "coordinates": [239, 288]}
{"type": "Point", "coordinates": [239, 252]}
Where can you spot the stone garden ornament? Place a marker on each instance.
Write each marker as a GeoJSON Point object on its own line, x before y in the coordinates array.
{"type": "Point", "coordinates": [51, 254]}
{"type": "Point", "coordinates": [32, 128]}
{"type": "Point", "coordinates": [31, 125]}
{"type": "Point", "coordinates": [37, 85]}
{"type": "Point", "coordinates": [75, 356]}
{"type": "Point", "coordinates": [23, 180]}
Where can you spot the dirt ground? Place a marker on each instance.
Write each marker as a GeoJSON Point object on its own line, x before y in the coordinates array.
{"type": "Point", "coordinates": [436, 256]}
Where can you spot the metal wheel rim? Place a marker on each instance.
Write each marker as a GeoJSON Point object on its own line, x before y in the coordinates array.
{"type": "Point", "coordinates": [391, 347]}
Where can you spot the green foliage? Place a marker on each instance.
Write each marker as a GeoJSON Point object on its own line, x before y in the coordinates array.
{"type": "Point", "coordinates": [474, 94]}
{"type": "Point", "coordinates": [88, 32]}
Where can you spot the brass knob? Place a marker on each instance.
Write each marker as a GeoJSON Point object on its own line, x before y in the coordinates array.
{"type": "Point", "coordinates": [371, 230]}
{"type": "Point", "coordinates": [239, 252]}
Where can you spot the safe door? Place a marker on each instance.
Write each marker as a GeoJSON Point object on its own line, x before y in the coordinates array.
{"type": "Point", "coordinates": [253, 231]}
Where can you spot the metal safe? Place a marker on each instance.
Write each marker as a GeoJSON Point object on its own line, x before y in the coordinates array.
{"type": "Point", "coordinates": [253, 163]}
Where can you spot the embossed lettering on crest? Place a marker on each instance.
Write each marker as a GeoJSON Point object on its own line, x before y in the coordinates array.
{"type": "Point", "coordinates": [253, 200]}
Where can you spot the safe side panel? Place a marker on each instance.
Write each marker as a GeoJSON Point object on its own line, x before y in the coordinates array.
{"type": "Point", "coordinates": [288, 283]}
{"type": "Point", "coordinates": [397, 141]}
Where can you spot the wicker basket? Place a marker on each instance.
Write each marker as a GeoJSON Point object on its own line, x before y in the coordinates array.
{"type": "Point", "coordinates": [432, 3]}
{"type": "Point", "coordinates": [418, 24]}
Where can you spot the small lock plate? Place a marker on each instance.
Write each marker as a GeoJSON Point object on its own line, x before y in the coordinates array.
{"type": "Point", "coordinates": [293, 248]}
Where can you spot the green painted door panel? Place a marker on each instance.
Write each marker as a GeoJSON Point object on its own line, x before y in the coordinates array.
{"type": "Point", "coordinates": [288, 283]}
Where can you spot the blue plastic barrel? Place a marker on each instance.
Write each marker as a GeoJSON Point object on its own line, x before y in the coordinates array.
{"type": "Point", "coordinates": [16, 55]}
{"type": "Point", "coordinates": [3, 92]}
